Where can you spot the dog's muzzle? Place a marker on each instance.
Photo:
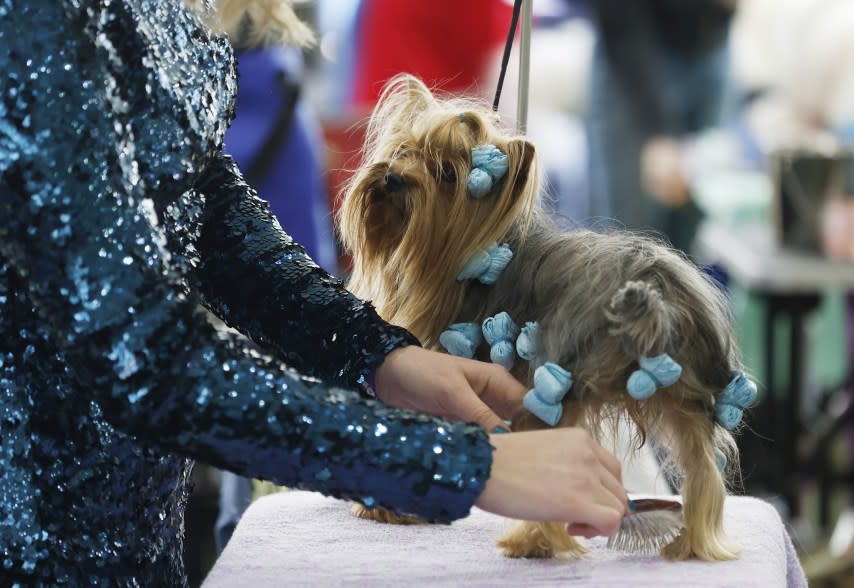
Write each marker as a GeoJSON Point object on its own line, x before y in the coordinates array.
{"type": "Point", "coordinates": [393, 182]}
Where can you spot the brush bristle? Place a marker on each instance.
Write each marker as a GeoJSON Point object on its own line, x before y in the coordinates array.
{"type": "Point", "coordinates": [647, 532]}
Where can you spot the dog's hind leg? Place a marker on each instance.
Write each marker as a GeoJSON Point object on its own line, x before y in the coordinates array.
{"type": "Point", "coordinates": [703, 493]}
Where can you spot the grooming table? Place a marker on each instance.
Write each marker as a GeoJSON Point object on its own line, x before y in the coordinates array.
{"type": "Point", "coordinates": [305, 539]}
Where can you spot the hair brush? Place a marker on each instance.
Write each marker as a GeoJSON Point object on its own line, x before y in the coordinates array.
{"type": "Point", "coordinates": [651, 524]}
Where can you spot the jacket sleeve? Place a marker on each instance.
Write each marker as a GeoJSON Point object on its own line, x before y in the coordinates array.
{"type": "Point", "coordinates": [161, 373]}
{"type": "Point", "coordinates": [78, 226]}
{"type": "Point", "coordinates": [261, 282]}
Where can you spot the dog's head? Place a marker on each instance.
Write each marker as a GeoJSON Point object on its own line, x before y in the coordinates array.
{"type": "Point", "coordinates": [409, 216]}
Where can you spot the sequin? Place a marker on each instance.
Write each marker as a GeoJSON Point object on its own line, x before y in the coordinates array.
{"type": "Point", "coordinates": [119, 217]}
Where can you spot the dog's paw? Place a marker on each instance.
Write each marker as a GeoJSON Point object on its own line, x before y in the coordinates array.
{"type": "Point", "coordinates": [706, 548]}
{"type": "Point", "coordinates": [520, 550]}
{"type": "Point", "coordinates": [540, 541]}
{"type": "Point", "coordinates": [382, 515]}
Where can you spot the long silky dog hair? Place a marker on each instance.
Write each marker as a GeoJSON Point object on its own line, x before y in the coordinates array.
{"type": "Point", "coordinates": [602, 300]}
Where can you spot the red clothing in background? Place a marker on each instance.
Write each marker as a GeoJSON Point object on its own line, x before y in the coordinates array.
{"type": "Point", "coordinates": [447, 43]}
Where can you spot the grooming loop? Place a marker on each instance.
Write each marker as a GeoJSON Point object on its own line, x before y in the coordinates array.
{"type": "Point", "coordinates": [500, 331]}
{"type": "Point", "coordinates": [486, 266]}
{"type": "Point", "coordinates": [655, 372]}
{"type": "Point", "coordinates": [545, 399]}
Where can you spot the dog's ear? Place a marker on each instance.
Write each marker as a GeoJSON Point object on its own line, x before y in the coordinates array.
{"type": "Point", "coordinates": [407, 92]}
{"type": "Point", "coordinates": [403, 99]}
{"type": "Point", "coordinates": [419, 94]}
{"type": "Point", "coordinates": [522, 154]}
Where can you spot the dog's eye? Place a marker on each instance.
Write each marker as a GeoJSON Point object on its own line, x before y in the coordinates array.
{"type": "Point", "coordinates": [449, 174]}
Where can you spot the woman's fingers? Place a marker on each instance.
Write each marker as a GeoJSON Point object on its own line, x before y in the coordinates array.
{"type": "Point", "coordinates": [447, 386]}
{"type": "Point", "coordinates": [582, 530]}
{"type": "Point", "coordinates": [611, 463]}
{"type": "Point", "coordinates": [495, 386]}
{"type": "Point", "coordinates": [552, 475]}
{"type": "Point", "coordinates": [555, 475]}
{"type": "Point", "coordinates": [467, 406]}
{"type": "Point", "coordinates": [600, 520]}
{"type": "Point", "coordinates": [616, 495]}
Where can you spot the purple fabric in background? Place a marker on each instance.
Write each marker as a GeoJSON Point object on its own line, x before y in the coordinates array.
{"type": "Point", "coordinates": [295, 184]}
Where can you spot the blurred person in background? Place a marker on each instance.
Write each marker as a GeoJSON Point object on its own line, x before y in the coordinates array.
{"type": "Point", "coordinates": [560, 54]}
{"type": "Point", "coordinates": [793, 59]}
{"type": "Point", "coordinates": [793, 64]}
{"type": "Point", "coordinates": [276, 138]}
{"type": "Point", "coordinates": [659, 74]}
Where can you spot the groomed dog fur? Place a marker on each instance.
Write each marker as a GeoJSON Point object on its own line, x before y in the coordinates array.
{"type": "Point", "coordinates": [602, 300]}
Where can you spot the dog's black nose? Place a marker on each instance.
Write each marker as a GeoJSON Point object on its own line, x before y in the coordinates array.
{"type": "Point", "coordinates": [393, 182]}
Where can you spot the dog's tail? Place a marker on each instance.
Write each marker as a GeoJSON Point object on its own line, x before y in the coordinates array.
{"type": "Point", "coordinates": [641, 317]}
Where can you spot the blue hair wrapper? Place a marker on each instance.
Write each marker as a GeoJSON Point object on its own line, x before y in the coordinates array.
{"type": "Point", "coordinates": [500, 332]}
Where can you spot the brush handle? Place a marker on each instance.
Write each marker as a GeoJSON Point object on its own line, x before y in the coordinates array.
{"type": "Point", "coordinates": [648, 504]}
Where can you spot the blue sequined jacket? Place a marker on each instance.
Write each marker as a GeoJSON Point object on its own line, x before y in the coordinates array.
{"type": "Point", "coordinates": [119, 215]}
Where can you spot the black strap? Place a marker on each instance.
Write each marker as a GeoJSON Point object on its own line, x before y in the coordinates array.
{"type": "Point", "coordinates": [260, 165]}
{"type": "Point", "coordinates": [517, 5]}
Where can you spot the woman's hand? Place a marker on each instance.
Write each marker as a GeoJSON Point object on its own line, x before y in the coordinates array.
{"type": "Point", "coordinates": [556, 475]}
{"type": "Point", "coordinates": [661, 172]}
{"type": "Point", "coordinates": [552, 475]}
{"type": "Point", "coordinates": [447, 386]}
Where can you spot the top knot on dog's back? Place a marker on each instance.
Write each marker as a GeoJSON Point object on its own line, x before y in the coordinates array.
{"type": "Point", "coordinates": [633, 300]}
{"type": "Point", "coordinates": [639, 313]}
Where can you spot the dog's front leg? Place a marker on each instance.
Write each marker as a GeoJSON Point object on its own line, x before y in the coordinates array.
{"type": "Point", "coordinates": [540, 540]}
{"type": "Point", "coordinates": [382, 515]}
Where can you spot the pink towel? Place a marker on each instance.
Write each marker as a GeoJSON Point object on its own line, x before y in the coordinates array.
{"type": "Point", "coordinates": [305, 539]}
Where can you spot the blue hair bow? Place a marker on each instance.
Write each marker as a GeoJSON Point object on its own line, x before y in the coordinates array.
{"type": "Point", "coordinates": [487, 265]}
{"type": "Point", "coordinates": [528, 343]}
{"type": "Point", "coordinates": [489, 165]}
{"type": "Point", "coordinates": [738, 395]}
{"type": "Point", "coordinates": [461, 339]}
{"type": "Point", "coordinates": [551, 383]}
{"type": "Point", "coordinates": [655, 372]}
{"type": "Point", "coordinates": [500, 331]}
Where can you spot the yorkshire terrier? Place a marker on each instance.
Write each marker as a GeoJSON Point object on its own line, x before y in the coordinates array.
{"type": "Point", "coordinates": [449, 239]}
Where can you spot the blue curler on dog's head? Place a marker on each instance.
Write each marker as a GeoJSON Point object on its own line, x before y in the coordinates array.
{"type": "Point", "coordinates": [489, 165]}
{"type": "Point", "coordinates": [500, 332]}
